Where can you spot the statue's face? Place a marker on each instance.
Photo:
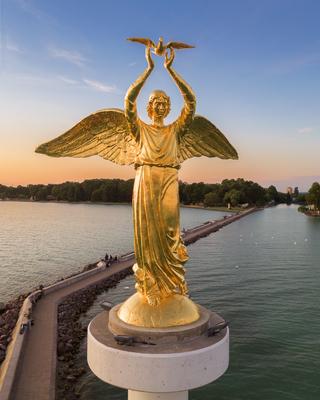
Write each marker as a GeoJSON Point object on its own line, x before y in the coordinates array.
{"type": "Point", "coordinates": [160, 107]}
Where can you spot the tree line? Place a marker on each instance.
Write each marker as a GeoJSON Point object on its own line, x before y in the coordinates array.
{"type": "Point", "coordinates": [233, 192]}
{"type": "Point", "coordinates": [311, 199]}
{"type": "Point", "coordinates": [95, 190]}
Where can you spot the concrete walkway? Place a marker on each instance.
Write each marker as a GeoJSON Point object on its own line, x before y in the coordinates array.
{"type": "Point", "coordinates": [37, 369]}
{"type": "Point", "coordinates": [35, 379]}
{"type": "Point", "coordinates": [194, 234]}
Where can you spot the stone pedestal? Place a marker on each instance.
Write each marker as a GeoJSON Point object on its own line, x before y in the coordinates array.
{"type": "Point", "coordinates": [160, 363]}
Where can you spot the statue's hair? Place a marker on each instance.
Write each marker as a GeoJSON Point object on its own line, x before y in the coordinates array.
{"type": "Point", "coordinates": [153, 96]}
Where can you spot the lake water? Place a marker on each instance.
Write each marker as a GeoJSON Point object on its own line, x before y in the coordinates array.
{"type": "Point", "coordinates": [262, 273]}
{"type": "Point", "coordinates": [41, 242]}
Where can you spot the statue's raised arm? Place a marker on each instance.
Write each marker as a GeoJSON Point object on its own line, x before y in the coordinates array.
{"type": "Point", "coordinates": [189, 108]}
{"type": "Point", "coordinates": [130, 105]}
{"type": "Point", "coordinates": [197, 136]}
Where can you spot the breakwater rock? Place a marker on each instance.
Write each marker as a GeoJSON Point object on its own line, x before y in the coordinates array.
{"type": "Point", "coordinates": [9, 314]}
{"type": "Point", "coordinates": [71, 332]}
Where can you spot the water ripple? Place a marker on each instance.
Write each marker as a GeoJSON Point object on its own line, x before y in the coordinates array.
{"type": "Point", "coordinates": [260, 273]}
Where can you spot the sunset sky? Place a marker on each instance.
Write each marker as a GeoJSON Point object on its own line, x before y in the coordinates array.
{"type": "Point", "coordinates": [255, 71]}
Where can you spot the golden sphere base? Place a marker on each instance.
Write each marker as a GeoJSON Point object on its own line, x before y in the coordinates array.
{"type": "Point", "coordinates": [175, 310]}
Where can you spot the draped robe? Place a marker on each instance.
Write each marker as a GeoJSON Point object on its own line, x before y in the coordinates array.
{"type": "Point", "coordinates": [159, 249]}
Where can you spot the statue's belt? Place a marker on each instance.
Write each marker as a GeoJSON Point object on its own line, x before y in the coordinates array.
{"type": "Point", "coordinates": [175, 166]}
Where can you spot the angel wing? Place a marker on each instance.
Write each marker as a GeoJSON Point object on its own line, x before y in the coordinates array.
{"type": "Point", "coordinates": [145, 41]}
{"type": "Point", "coordinates": [179, 45]}
{"type": "Point", "coordinates": [104, 133]}
{"type": "Point", "coordinates": [202, 138]}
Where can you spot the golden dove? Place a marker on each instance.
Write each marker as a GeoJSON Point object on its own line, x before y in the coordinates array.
{"type": "Point", "coordinates": [161, 48]}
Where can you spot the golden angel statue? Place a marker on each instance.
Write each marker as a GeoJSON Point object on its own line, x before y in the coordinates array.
{"type": "Point", "coordinates": [156, 150]}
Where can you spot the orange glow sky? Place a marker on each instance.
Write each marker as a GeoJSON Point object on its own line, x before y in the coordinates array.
{"type": "Point", "coordinates": [259, 83]}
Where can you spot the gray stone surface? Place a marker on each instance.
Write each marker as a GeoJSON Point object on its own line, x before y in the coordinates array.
{"type": "Point", "coordinates": [178, 333]}
{"type": "Point", "coordinates": [170, 340]}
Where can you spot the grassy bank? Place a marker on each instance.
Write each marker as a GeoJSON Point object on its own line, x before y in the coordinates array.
{"type": "Point", "coordinates": [221, 208]}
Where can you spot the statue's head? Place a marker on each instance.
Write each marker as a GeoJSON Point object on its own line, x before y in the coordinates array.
{"type": "Point", "coordinates": [159, 104]}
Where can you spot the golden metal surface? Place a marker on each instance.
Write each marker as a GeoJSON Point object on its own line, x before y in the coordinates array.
{"type": "Point", "coordinates": [161, 48]}
{"type": "Point", "coordinates": [156, 150]}
{"type": "Point", "coordinates": [174, 310]}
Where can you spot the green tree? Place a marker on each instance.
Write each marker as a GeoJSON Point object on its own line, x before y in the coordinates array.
{"type": "Point", "coordinates": [288, 198]}
{"type": "Point", "coordinates": [34, 189]}
{"type": "Point", "coordinates": [89, 186]}
{"type": "Point", "coordinates": [41, 194]}
{"type": "Point", "coordinates": [212, 199]}
{"type": "Point", "coordinates": [79, 194]}
{"type": "Point", "coordinates": [301, 199]}
{"type": "Point", "coordinates": [272, 194]}
{"type": "Point", "coordinates": [97, 195]}
{"type": "Point", "coordinates": [233, 197]}
{"type": "Point", "coordinates": [313, 195]}
{"type": "Point", "coordinates": [125, 189]}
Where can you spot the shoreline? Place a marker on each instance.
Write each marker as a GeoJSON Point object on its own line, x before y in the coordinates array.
{"type": "Point", "coordinates": [315, 214]}
{"type": "Point", "coordinates": [66, 202]}
{"type": "Point", "coordinates": [112, 203]}
{"type": "Point", "coordinates": [218, 208]}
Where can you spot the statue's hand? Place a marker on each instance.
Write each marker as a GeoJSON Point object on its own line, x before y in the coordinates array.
{"type": "Point", "coordinates": [149, 58]}
{"type": "Point", "coordinates": [169, 58]}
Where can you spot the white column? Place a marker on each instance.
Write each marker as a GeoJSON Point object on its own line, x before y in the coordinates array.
{"type": "Point", "coordinates": [135, 395]}
{"type": "Point", "coordinates": [163, 372]}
